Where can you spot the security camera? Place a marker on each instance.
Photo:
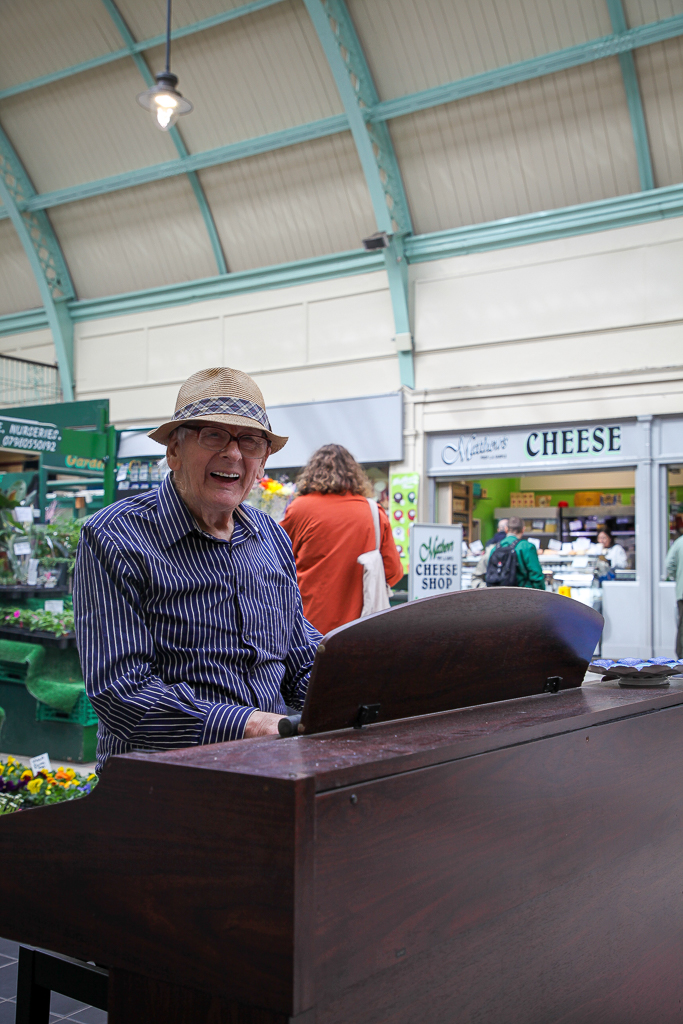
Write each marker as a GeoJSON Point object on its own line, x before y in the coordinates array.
{"type": "Point", "coordinates": [380, 240]}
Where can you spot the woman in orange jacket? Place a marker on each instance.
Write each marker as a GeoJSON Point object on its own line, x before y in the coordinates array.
{"type": "Point", "coordinates": [330, 524]}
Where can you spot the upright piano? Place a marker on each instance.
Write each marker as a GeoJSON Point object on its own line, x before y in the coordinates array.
{"type": "Point", "coordinates": [499, 845]}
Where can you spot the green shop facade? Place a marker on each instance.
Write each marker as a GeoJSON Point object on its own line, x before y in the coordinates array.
{"type": "Point", "coordinates": [57, 465]}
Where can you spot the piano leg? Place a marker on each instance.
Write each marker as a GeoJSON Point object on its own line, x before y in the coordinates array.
{"type": "Point", "coordinates": [134, 999]}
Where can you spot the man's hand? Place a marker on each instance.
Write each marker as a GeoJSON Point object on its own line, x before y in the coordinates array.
{"type": "Point", "coordinates": [261, 723]}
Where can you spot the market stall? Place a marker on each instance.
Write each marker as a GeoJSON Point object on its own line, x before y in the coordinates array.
{"type": "Point", "coordinates": [569, 483]}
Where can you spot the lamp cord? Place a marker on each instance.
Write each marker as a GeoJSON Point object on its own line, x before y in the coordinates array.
{"type": "Point", "coordinates": [168, 35]}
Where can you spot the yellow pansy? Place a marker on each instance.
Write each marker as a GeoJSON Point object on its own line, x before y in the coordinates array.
{"type": "Point", "coordinates": [34, 785]}
{"type": "Point", "coordinates": [28, 774]}
{"type": "Point", "coordinates": [71, 773]}
{"type": "Point", "coordinates": [2, 767]}
{"type": "Point", "coordinates": [92, 777]}
{"type": "Point", "coordinates": [11, 760]}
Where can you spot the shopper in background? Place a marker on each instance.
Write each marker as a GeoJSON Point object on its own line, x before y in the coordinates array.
{"type": "Point", "coordinates": [614, 553]}
{"type": "Point", "coordinates": [330, 524]}
{"type": "Point", "coordinates": [673, 570]}
{"type": "Point", "coordinates": [479, 573]}
{"type": "Point", "coordinates": [529, 573]}
{"type": "Point", "coordinates": [501, 532]}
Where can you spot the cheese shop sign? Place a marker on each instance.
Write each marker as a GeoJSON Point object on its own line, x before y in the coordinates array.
{"type": "Point", "coordinates": [598, 442]}
{"type": "Point", "coordinates": [435, 560]}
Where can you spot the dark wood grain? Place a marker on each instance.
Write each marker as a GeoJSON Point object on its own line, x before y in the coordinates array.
{"type": "Point", "coordinates": [135, 999]}
{"type": "Point", "coordinates": [531, 885]}
{"type": "Point", "coordinates": [451, 651]}
{"type": "Point", "coordinates": [358, 755]}
{"type": "Point", "coordinates": [514, 862]}
{"type": "Point", "coordinates": [192, 873]}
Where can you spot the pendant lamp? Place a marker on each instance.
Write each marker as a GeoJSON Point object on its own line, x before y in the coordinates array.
{"type": "Point", "coordinates": [162, 99]}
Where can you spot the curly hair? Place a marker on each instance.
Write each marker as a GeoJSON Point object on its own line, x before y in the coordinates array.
{"type": "Point", "coordinates": [333, 470]}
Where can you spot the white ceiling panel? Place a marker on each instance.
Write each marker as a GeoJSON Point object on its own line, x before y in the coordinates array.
{"type": "Point", "coordinates": [544, 144]}
{"type": "Point", "coordinates": [85, 127]}
{"type": "Point", "coordinates": [148, 19]}
{"type": "Point", "coordinates": [296, 203]}
{"type": "Point", "coordinates": [18, 288]}
{"type": "Point", "coordinates": [141, 238]}
{"type": "Point", "coordinates": [252, 76]}
{"type": "Point", "coordinates": [41, 36]}
{"type": "Point", "coordinates": [660, 72]}
{"type": "Point", "coordinates": [641, 12]}
{"type": "Point", "coordinates": [417, 44]}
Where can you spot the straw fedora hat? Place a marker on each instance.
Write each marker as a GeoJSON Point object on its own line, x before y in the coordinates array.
{"type": "Point", "coordinates": [220, 395]}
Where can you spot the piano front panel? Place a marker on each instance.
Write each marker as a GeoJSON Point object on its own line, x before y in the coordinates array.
{"type": "Point", "coordinates": [551, 867]}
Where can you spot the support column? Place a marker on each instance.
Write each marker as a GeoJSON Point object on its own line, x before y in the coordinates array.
{"type": "Point", "coordinates": [337, 35]}
{"type": "Point", "coordinates": [45, 256]}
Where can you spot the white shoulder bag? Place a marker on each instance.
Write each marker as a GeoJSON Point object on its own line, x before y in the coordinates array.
{"type": "Point", "coordinates": [375, 589]}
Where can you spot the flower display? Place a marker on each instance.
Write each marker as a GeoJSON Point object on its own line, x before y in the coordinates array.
{"type": "Point", "coordinates": [20, 789]}
{"type": "Point", "coordinates": [59, 623]}
{"type": "Point", "coordinates": [272, 496]}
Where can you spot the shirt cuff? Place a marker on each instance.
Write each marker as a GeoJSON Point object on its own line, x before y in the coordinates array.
{"type": "Point", "coordinates": [225, 722]}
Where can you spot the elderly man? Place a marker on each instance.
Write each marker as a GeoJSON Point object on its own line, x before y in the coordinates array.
{"type": "Point", "coordinates": [188, 616]}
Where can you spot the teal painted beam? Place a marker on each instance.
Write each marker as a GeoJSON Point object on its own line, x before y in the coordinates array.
{"type": "Point", "coordinates": [149, 80]}
{"type": "Point", "coordinates": [196, 162]}
{"type": "Point", "coordinates": [22, 323]}
{"type": "Point", "coordinates": [349, 67]}
{"type": "Point", "coordinates": [619, 212]}
{"type": "Point", "coordinates": [622, 211]}
{"type": "Point", "coordinates": [45, 257]}
{"type": "Point", "coordinates": [284, 275]}
{"type": "Point", "coordinates": [526, 70]}
{"type": "Point", "coordinates": [145, 44]}
{"type": "Point", "coordinates": [633, 98]}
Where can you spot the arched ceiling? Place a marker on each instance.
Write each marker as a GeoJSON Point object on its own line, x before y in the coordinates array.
{"type": "Point", "coordinates": [316, 122]}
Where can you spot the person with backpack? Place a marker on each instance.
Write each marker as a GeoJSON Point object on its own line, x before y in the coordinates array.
{"type": "Point", "coordinates": [514, 562]}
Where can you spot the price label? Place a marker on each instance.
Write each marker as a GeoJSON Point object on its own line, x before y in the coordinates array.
{"type": "Point", "coordinates": [56, 607]}
{"type": "Point", "coordinates": [23, 514]}
{"type": "Point", "coordinates": [41, 764]}
{"type": "Point", "coordinates": [32, 578]}
{"type": "Point", "coordinates": [22, 547]}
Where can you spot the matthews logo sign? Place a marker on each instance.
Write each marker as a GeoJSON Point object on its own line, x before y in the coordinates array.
{"type": "Point", "coordinates": [517, 449]}
{"type": "Point", "coordinates": [435, 560]}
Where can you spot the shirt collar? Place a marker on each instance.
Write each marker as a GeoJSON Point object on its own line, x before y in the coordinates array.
{"type": "Point", "coordinates": [176, 520]}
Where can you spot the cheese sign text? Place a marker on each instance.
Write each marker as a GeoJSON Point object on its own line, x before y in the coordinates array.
{"type": "Point", "coordinates": [435, 560]}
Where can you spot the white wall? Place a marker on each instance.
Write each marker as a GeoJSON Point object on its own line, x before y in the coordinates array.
{"type": "Point", "coordinates": [311, 342]}
{"type": "Point", "coordinates": [584, 327]}
{"type": "Point", "coordinates": [34, 345]}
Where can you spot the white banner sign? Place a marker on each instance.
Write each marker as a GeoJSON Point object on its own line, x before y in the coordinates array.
{"type": "Point", "coordinates": [529, 448]}
{"type": "Point", "coordinates": [435, 560]}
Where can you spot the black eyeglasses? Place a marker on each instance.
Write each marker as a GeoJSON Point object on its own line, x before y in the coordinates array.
{"type": "Point", "coordinates": [216, 440]}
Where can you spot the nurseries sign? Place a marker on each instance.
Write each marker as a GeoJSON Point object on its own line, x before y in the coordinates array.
{"type": "Point", "coordinates": [524, 448]}
{"type": "Point", "coordinates": [28, 435]}
{"type": "Point", "coordinates": [435, 560]}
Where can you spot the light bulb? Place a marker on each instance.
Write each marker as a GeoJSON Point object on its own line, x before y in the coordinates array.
{"type": "Point", "coordinates": [164, 102]}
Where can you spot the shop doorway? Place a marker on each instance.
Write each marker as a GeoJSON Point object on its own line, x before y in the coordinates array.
{"type": "Point", "coordinates": [583, 525]}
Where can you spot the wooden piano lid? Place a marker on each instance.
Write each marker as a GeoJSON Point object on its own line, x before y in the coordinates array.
{"type": "Point", "coordinates": [446, 652]}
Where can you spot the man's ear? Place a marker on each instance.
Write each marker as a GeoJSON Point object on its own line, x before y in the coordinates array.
{"type": "Point", "coordinates": [172, 456]}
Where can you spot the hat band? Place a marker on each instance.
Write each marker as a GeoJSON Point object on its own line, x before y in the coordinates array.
{"type": "Point", "coordinates": [225, 406]}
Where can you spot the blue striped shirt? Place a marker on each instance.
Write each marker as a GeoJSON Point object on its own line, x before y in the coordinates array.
{"type": "Point", "coordinates": [182, 635]}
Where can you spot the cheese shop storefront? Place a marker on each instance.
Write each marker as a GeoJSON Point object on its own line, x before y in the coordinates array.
{"type": "Point", "coordinates": [602, 502]}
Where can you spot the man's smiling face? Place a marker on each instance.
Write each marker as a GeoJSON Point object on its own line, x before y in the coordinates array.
{"type": "Point", "coordinates": [213, 481]}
